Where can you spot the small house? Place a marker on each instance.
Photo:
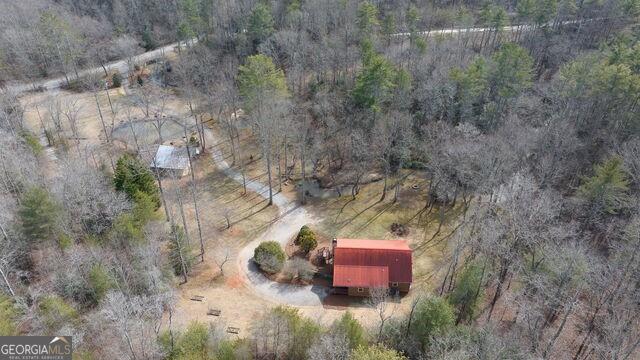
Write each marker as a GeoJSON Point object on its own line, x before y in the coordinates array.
{"type": "Point", "coordinates": [359, 265]}
{"type": "Point", "coordinates": [171, 161]}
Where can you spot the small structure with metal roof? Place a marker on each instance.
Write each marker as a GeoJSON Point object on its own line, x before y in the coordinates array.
{"type": "Point", "coordinates": [171, 160]}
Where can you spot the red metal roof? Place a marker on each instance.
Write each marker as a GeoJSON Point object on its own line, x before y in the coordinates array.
{"type": "Point", "coordinates": [360, 276]}
{"type": "Point", "coordinates": [393, 254]}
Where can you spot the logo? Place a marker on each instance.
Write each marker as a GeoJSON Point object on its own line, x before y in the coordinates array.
{"type": "Point", "coordinates": [36, 348]}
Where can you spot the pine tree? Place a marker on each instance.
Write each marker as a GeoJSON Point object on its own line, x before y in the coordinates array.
{"type": "Point", "coordinates": [38, 214]}
{"type": "Point", "coordinates": [132, 177]}
{"type": "Point", "coordinates": [607, 190]}
{"type": "Point", "coordinates": [468, 292]}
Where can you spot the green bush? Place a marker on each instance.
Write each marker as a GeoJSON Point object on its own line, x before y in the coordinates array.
{"type": "Point", "coordinates": [8, 317]}
{"type": "Point", "coordinates": [304, 230]}
{"type": "Point", "coordinates": [432, 316]}
{"type": "Point", "coordinates": [308, 243]}
{"type": "Point", "coordinates": [306, 239]}
{"type": "Point", "coordinates": [352, 329]}
{"type": "Point", "coordinates": [116, 80]}
{"type": "Point", "coordinates": [32, 141]}
{"type": "Point", "coordinates": [234, 349]}
{"type": "Point", "coordinates": [55, 313]}
{"type": "Point", "coordinates": [100, 281]}
{"type": "Point", "coordinates": [375, 352]}
{"type": "Point", "coordinates": [269, 256]}
{"type": "Point", "coordinates": [64, 241]}
{"type": "Point", "coordinates": [193, 343]}
{"type": "Point", "coordinates": [148, 41]}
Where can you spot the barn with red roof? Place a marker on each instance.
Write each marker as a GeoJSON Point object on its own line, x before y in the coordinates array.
{"type": "Point", "coordinates": [359, 265]}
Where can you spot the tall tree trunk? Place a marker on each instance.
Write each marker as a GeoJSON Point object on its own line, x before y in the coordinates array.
{"type": "Point", "coordinates": [104, 127]}
{"type": "Point", "coordinates": [181, 208]}
{"type": "Point", "coordinates": [195, 199]}
{"type": "Point", "coordinates": [269, 177]}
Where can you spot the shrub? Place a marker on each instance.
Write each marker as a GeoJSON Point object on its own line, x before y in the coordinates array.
{"type": "Point", "coordinates": [8, 317]}
{"type": "Point", "coordinates": [304, 230]}
{"type": "Point", "coordinates": [352, 329]}
{"type": "Point", "coordinates": [100, 281]}
{"type": "Point", "coordinates": [306, 239]}
{"type": "Point", "coordinates": [64, 241]}
{"type": "Point", "coordinates": [298, 268]}
{"type": "Point", "coordinates": [193, 343]}
{"type": "Point", "coordinates": [32, 141]}
{"type": "Point", "coordinates": [148, 41]}
{"type": "Point", "coordinates": [269, 256]}
{"type": "Point", "coordinates": [125, 231]}
{"type": "Point", "coordinates": [116, 80]}
{"type": "Point", "coordinates": [55, 313]}
{"type": "Point", "coordinates": [234, 349]}
{"type": "Point", "coordinates": [433, 316]}
{"type": "Point", "coordinates": [375, 352]}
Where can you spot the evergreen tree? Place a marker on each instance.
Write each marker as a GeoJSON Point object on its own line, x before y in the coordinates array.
{"type": "Point", "coordinates": [261, 24]}
{"type": "Point", "coordinates": [607, 190]}
{"type": "Point", "coordinates": [133, 177]}
{"type": "Point", "coordinates": [259, 80]}
{"type": "Point", "coordinates": [432, 316]}
{"type": "Point", "coordinates": [179, 252]}
{"type": "Point", "coordinates": [376, 81]}
{"type": "Point", "coordinates": [468, 292]}
{"type": "Point", "coordinates": [367, 19]}
{"type": "Point", "coordinates": [352, 330]}
{"type": "Point", "coordinates": [38, 214]}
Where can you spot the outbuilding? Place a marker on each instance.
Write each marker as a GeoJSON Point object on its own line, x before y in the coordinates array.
{"type": "Point", "coordinates": [359, 265]}
{"type": "Point", "coordinates": [171, 160]}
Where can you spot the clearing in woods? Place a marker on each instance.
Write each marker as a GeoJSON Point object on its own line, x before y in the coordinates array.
{"type": "Point", "coordinates": [220, 197]}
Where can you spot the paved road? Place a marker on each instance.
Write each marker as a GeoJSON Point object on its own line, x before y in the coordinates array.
{"type": "Point", "coordinates": [290, 219]}
{"type": "Point", "coordinates": [122, 66]}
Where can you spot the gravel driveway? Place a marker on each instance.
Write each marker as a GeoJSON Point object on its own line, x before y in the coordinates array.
{"type": "Point", "coordinates": [290, 219]}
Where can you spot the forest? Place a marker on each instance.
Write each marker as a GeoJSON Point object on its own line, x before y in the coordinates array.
{"type": "Point", "coordinates": [504, 135]}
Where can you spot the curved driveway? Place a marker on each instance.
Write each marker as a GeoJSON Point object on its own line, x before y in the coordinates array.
{"type": "Point", "coordinates": [290, 219]}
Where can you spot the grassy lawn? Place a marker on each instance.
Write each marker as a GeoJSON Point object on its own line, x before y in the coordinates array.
{"type": "Point", "coordinates": [368, 217]}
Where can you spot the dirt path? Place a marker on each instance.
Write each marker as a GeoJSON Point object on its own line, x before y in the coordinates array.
{"type": "Point", "coordinates": [290, 219]}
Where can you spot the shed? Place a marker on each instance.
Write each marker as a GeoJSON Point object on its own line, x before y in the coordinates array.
{"type": "Point", "coordinates": [171, 160]}
{"type": "Point", "coordinates": [360, 264]}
